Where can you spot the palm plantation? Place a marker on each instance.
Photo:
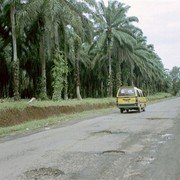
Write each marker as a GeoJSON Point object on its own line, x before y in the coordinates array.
{"type": "Point", "coordinates": [74, 49]}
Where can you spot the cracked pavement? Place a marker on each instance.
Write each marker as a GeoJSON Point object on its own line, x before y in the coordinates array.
{"type": "Point", "coordinates": [116, 146]}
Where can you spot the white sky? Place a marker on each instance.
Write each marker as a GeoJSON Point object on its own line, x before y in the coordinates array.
{"type": "Point", "coordinates": [160, 22]}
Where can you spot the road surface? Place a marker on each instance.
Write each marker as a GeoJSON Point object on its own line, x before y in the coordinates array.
{"type": "Point", "coordinates": [116, 146]}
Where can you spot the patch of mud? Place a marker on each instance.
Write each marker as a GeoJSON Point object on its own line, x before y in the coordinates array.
{"type": "Point", "coordinates": [42, 173]}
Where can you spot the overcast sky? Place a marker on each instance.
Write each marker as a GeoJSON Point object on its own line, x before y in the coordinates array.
{"type": "Point", "coordinates": [160, 22]}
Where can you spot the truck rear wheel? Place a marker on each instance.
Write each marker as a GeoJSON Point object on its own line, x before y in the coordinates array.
{"type": "Point", "coordinates": [121, 110]}
{"type": "Point", "coordinates": [139, 109]}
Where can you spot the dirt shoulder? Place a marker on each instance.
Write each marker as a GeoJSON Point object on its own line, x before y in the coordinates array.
{"type": "Point", "coordinates": [12, 117]}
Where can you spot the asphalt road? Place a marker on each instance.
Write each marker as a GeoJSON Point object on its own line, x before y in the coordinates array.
{"type": "Point", "coordinates": [116, 146]}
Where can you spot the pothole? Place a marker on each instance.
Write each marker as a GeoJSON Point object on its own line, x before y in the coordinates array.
{"type": "Point", "coordinates": [113, 151]}
{"type": "Point", "coordinates": [109, 132]}
{"type": "Point", "coordinates": [43, 172]}
{"type": "Point", "coordinates": [156, 118]}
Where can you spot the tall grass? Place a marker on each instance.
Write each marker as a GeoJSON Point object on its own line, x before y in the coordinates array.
{"type": "Point", "coordinates": [159, 96]}
{"type": "Point", "coordinates": [72, 102]}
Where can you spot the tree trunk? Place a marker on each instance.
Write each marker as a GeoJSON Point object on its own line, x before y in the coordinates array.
{"type": "Point", "coordinates": [102, 89]}
{"type": "Point", "coordinates": [110, 77]}
{"type": "Point", "coordinates": [15, 59]}
{"type": "Point", "coordinates": [118, 76]}
{"type": "Point", "coordinates": [78, 92]}
{"type": "Point", "coordinates": [65, 88]}
{"type": "Point", "coordinates": [138, 81]}
{"type": "Point", "coordinates": [56, 36]}
{"type": "Point", "coordinates": [132, 76]}
{"type": "Point", "coordinates": [77, 75]}
{"type": "Point", "coordinates": [43, 94]}
{"type": "Point", "coordinates": [66, 75]}
{"type": "Point", "coordinates": [110, 85]}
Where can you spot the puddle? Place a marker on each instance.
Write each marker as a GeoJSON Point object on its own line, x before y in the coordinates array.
{"type": "Point", "coordinates": [43, 172]}
{"type": "Point", "coordinates": [113, 151]}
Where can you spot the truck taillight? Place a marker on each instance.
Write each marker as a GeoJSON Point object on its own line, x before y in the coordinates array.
{"type": "Point", "coordinates": [136, 100]}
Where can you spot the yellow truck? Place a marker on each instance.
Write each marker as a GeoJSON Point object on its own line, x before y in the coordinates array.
{"type": "Point", "coordinates": [130, 98]}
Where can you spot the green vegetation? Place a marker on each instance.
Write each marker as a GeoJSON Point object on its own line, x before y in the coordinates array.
{"type": "Point", "coordinates": [59, 70]}
{"type": "Point", "coordinates": [7, 104]}
{"type": "Point", "coordinates": [60, 49]}
{"type": "Point", "coordinates": [175, 77]}
{"type": "Point", "coordinates": [158, 96]}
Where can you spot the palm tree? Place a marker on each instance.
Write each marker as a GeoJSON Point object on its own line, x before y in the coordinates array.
{"type": "Point", "coordinates": [5, 6]}
{"type": "Point", "coordinates": [78, 53]}
{"type": "Point", "coordinates": [112, 24]}
{"type": "Point", "coordinates": [147, 65]}
{"type": "Point", "coordinates": [55, 13]}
